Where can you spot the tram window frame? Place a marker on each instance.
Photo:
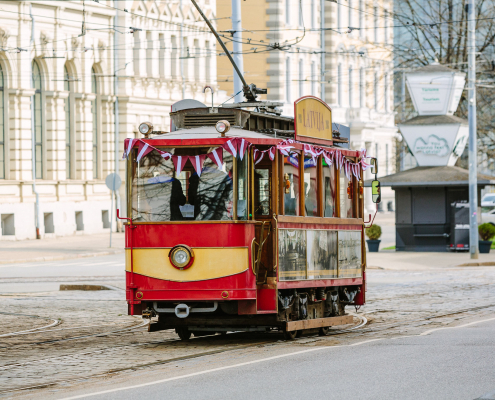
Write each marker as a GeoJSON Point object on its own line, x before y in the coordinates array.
{"type": "Point", "coordinates": [181, 150]}
{"type": "Point", "coordinates": [307, 187]}
{"type": "Point", "coordinates": [296, 190]}
{"type": "Point", "coordinates": [264, 165]}
{"type": "Point", "coordinates": [333, 178]}
{"type": "Point", "coordinates": [346, 204]}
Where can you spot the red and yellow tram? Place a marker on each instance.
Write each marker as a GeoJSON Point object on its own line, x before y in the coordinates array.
{"type": "Point", "coordinates": [245, 220]}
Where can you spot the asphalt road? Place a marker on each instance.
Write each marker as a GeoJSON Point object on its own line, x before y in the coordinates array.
{"type": "Point", "coordinates": [447, 363]}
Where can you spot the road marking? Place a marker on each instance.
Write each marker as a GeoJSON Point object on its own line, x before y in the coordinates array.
{"type": "Point", "coordinates": [256, 362]}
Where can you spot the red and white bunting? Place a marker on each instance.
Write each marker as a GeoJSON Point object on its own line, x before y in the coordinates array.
{"type": "Point", "coordinates": [128, 145]}
{"type": "Point", "coordinates": [179, 163]}
{"type": "Point", "coordinates": [328, 157]}
{"type": "Point", "coordinates": [217, 157]}
{"type": "Point", "coordinates": [258, 156]}
{"type": "Point", "coordinates": [165, 155]}
{"type": "Point", "coordinates": [271, 152]}
{"type": "Point", "coordinates": [242, 146]}
{"type": "Point", "coordinates": [347, 169]}
{"type": "Point", "coordinates": [143, 149]}
{"type": "Point", "coordinates": [197, 162]}
{"type": "Point", "coordinates": [284, 148]}
{"type": "Point", "coordinates": [231, 147]}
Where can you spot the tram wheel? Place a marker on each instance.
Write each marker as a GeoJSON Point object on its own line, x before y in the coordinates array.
{"type": "Point", "coordinates": [290, 335]}
{"type": "Point", "coordinates": [299, 333]}
{"type": "Point", "coordinates": [324, 331]}
{"type": "Point", "coordinates": [184, 333]}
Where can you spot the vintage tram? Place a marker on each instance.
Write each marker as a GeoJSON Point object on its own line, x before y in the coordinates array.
{"type": "Point", "coordinates": [243, 221]}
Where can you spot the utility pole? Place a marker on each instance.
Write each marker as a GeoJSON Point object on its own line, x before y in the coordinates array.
{"type": "Point", "coordinates": [473, 179]}
{"type": "Point", "coordinates": [322, 45]}
{"type": "Point", "coordinates": [116, 111]}
{"type": "Point", "coordinates": [237, 36]}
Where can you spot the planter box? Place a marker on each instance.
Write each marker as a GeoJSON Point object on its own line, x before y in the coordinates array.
{"type": "Point", "coordinates": [373, 245]}
{"type": "Point", "coordinates": [484, 246]}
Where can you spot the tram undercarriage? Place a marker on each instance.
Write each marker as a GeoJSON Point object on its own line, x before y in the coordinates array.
{"type": "Point", "coordinates": [312, 310]}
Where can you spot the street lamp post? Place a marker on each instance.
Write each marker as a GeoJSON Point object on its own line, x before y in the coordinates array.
{"type": "Point", "coordinates": [473, 181]}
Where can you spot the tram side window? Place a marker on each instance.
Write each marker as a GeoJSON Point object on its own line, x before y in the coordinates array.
{"type": "Point", "coordinates": [242, 188]}
{"type": "Point", "coordinates": [310, 187]}
{"type": "Point", "coordinates": [329, 184]}
{"type": "Point", "coordinates": [159, 194]}
{"type": "Point", "coordinates": [291, 174]}
{"type": "Point", "coordinates": [346, 209]}
{"type": "Point", "coordinates": [262, 191]}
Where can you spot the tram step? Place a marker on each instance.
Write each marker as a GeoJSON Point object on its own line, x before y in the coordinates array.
{"type": "Point", "coordinates": [318, 323]}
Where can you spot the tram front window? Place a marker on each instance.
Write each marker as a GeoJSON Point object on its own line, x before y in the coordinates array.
{"type": "Point", "coordinates": [160, 194]}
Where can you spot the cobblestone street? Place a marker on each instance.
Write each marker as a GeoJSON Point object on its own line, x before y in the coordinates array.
{"type": "Point", "coordinates": [52, 340]}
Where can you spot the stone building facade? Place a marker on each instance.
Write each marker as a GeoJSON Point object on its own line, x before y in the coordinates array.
{"type": "Point", "coordinates": [59, 65]}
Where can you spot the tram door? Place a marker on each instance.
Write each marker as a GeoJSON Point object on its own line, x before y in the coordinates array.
{"type": "Point", "coordinates": [264, 252]}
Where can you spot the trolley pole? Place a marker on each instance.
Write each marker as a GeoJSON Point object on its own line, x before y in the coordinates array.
{"type": "Point", "coordinates": [473, 181]}
{"type": "Point", "coordinates": [237, 36]}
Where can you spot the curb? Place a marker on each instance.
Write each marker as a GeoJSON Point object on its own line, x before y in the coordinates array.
{"type": "Point", "coordinates": [478, 264]}
{"type": "Point", "coordinates": [58, 258]}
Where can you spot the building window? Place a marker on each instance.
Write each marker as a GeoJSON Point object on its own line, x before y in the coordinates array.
{"type": "Point", "coordinates": [386, 159]}
{"type": "Point", "coordinates": [313, 14]}
{"type": "Point", "coordinates": [173, 57]}
{"type": "Point", "coordinates": [94, 111]}
{"type": "Point", "coordinates": [375, 90]}
{"type": "Point", "coordinates": [386, 94]}
{"type": "Point", "coordinates": [313, 78]}
{"type": "Point", "coordinates": [37, 115]}
{"type": "Point", "coordinates": [339, 16]}
{"type": "Point", "coordinates": [287, 12]}
{"type": "Point", "coordinates": [301, 78]}
{"type": "Point", "coordinates": [362, 88]}
{"type": "Point", "coordinates": [350, 22]}
{"type": "Point", "coordinates": [351, 91]}
{"type": "Point", "coordinates": [301, 17]}
{"type": "Point", "coordinates": [361, 17]}
{"type": "Point", "coordinates": [2, 128]}
{"type": "Point", "coordinates": [68, 135]}
{"type": "Point", "coordinates": [208, 62]}
{"type": "Point", "coordinates": [375, 24]}
{"type": "Point", "coordinates": [287, 80]}
{"type": "Point", "coordinates": [339, 84]}
{"type": "Point", "coordinates": [136, 53]}
{"type": "Point", "coordinates": [161, 55]}
{"type": "Point", "coordinates": [385, 21]}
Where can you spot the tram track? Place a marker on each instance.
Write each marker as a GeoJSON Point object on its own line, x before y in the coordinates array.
{"type": "Point", "coordinates": [123, 330]}
{"type": "Point", "coordinates": [357, 330]}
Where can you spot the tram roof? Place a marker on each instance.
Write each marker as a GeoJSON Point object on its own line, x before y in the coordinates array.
{"type": "Point", "coordinates": [208, 135]}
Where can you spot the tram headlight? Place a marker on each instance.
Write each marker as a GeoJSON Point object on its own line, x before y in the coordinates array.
{"type": "Point", "coordinates": [145, 128]}
{"type": "Point", "coordinates": [222, 127]}
{"type": "Point", "coordinates": [181, 256]}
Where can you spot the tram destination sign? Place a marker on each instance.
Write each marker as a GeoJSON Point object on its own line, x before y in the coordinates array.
{"type": "Point", "coordinates": [312, 119]}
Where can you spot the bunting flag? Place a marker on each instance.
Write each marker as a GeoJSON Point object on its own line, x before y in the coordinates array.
{"type": "Point", "coordinates": [217, 157]}
{"type": "Point", "coordinates": [143, 149]}
{"type": "Point", "coordinates": [258, 156]}
{"type": "Point", "coordinates": [179, 163]}
{"type": "Point", "coordinates": [285, 147]}
{"type": "Point", "coordinates": [165, 155]}
{"type": "Point", "coordinates": [328, 157]}
{"type": "Point", "coordinates": [128, 145]}
{"type": "Point", "coordinates": [231, 147]}
{"type": "Point", "coordinates": [271, 152]}
{"type": "Point", "coordinates": [242, 146]}
{"type": "Point", "coordinates": [364, 164]}
{"type": "Point", "coordinates": [197, 162]}
{"type": "Point", "coordinates": [347, 169]}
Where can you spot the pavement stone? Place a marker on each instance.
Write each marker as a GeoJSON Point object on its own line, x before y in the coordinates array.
{"type": "Point", "coordinates": [60, 248]}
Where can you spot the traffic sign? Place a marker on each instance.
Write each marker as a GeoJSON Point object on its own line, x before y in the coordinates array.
{"type": "Point", "coordinates": [113, 181]}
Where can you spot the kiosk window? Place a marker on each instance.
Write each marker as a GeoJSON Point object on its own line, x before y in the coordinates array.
{"type": "Point", "coordinates": [291, 184]}
{"type": "Point", "coordinates": [329, 186]}
{"type": "Point", "coordinates": [310, 187]}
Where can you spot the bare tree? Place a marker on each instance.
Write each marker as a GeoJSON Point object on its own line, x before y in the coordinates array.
{"type": "Point", "coordinates": [428, 30]}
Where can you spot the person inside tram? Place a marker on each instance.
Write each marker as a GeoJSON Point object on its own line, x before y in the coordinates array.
{"type": "Point", "coordinates": [177, 199]}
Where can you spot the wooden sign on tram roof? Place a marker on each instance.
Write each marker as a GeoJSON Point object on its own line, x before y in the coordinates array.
{"type": "Point", "coordinates": [313, 120]}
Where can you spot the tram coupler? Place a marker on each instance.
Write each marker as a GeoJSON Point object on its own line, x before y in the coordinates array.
{"type": "Point", "coordinates": [148, 313]}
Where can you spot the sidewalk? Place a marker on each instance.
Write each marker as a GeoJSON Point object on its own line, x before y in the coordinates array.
{"type": "Point", "coordinates": [409, 260]}
{"type": "Point", "coordinates": [61, 248]}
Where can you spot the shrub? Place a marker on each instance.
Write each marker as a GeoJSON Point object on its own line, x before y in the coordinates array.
{"type": "Point", "coordinates": [486, 231]}
{"type": "Point", "coordinates": [374, 232]}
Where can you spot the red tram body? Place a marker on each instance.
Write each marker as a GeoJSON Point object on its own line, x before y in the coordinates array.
{"type": "Point", "coordinates": [245, 229]}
